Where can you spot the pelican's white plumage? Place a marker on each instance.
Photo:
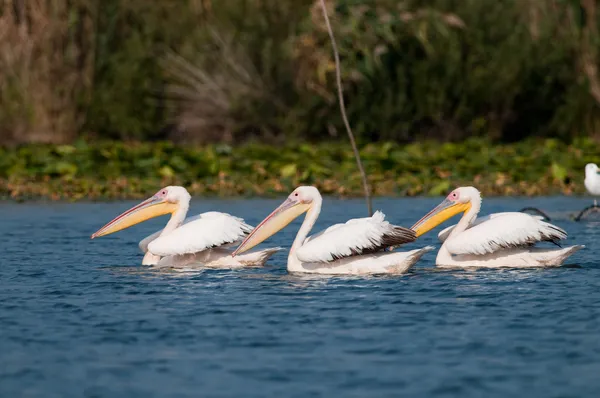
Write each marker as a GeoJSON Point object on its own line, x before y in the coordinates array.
{"type": "Point", "coordinates": [497, 240]}
{"type": "Point", "coordinates": [146, 241]}
{"type": "Point", "coordinates": [443, 234]}
{"type": "Point", "coordinates": [592, 179]}
{"type": "Point", "coordinates": [509, 230]}
{"type": "Point", "coordinates": [592, 184]}
{"type": "Point", "coordinates": [344, 240]}
{"type": "Point", "coordinates": [355, 247]}
{"type": "Point", "coordinates": [206, 231]}
{"type": "Point", "coordinates": [202, 239]}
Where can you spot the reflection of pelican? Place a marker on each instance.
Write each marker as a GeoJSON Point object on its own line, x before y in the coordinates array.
{"type": "Point", "coordinates": [200, 239]}
{"type": "Point", "coordinates": [592, 184]}
{"type": "Point", "coordinates": [497, 240]}
{"type": "Point", "coordinates": [356, 247]}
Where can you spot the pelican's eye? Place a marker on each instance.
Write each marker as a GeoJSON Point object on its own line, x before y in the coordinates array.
{"type": "Point", "coordinates": [453, 196]}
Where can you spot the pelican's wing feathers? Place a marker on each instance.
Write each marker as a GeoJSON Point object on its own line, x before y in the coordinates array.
{"type": "Point", "coordinates": [443, 235]}
{"type": "Point", "coordinates": [204, 231]}
{"type": "Point", "coordinates": [146, 241]}
{"type": "Point", "coordinates": [336, 226]}
{"type": "Point", "coordinates": [357, 236]}
{"type": "Point", "coordinates": [504, 231]}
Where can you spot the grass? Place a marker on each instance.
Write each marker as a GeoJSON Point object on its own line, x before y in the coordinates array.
{"type": "Point", "coordinates": [116, 170]}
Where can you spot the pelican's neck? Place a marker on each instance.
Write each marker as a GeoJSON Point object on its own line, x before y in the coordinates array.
{"type": "Point", "coordinates": [468, 217]}
{"type": "Point", "coordinates": [177, 218]}
{"type": "Point", "coordinates": [444, 257]}
{"type": "Point", "coordinates": [309, 221]}
{"type": "Point", "coordinates": [175, 222]}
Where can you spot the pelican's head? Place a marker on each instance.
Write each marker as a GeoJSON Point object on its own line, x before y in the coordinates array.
{"type": "Point", "coordinates": [458, 201]}
{"type": "Point", "coordinates": [297, 203]}
{"type": "Point", "coordinates": [165, 201]}
{"type": "Point", "coordinates": [591, 169]}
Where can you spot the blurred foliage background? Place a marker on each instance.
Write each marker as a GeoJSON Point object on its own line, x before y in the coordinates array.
{"type": "Point", "coordinates": [230, 71]}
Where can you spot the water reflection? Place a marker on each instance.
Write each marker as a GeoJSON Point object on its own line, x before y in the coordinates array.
{"type": "Point", "coordinates": [154, 272]}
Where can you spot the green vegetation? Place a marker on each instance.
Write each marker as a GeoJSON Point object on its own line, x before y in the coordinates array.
{"type": "Point", "coordinates": [84, 82]}
{"type": "Point", "coordinates": [116, 170]}
{"type": "Point", "coordinates": [232, 70]}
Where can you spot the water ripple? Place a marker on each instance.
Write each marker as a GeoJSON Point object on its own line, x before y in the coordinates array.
{"type": "Point", "coordinates": [83, 318]}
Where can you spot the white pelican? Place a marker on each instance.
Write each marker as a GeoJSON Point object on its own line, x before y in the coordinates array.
{"type": "Point", "coordinates": [592, 184]}
{"type": "Point", "coordinates": [356, 247]}
{"type": "Point", "coordinates": [497, 240]}
{"type": "Point", "coordinates": [201, 239]}
{"type": "Point", "coordinates": [592, 180]}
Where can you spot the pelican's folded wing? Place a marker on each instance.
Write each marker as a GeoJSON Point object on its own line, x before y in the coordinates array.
{"type": "Point", "coordinates": [146, 241]}
{"type": "Point", "coordinates": [357, 236]}
{"type": "Point", "coordinates": [506, 230]}
{"type": "Point", "coordinates": [205, 231]}
{"type": "Point", "coordinates": [443, 235]}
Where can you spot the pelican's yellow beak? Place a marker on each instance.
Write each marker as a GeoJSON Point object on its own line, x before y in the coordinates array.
{"type": "Point", "coordinates": [275, 222]}
{"type": "Point", "coordinates": [149, 208]}
{"type": "Point", "coordinates": [438, 215]}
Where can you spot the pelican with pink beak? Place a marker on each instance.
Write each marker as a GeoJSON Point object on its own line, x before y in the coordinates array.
{"type": "Point", "coordinates": [356, 247]}
{"type": "Point", "coordinates": [205, 239]}
{"type": "Point", "coordinates": [505, 239]}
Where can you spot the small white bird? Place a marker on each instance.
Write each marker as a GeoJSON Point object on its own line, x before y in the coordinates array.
{"type": "Point", "coordinates": [203, 239]}
{"type": "Point", "coordinates": [592, 180]}
{"type": "Point", "coordinates": [497, 240]}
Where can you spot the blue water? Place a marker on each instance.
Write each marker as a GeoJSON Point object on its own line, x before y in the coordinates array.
{"type": "Point", "coordinates": [82, 318]}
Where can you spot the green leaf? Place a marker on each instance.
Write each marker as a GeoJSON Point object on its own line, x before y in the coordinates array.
{"type": "Point", "coordinates": [65, 149]}
{"type": "Point", "coordinates": [288, 170]}
{"type": "Point", "coordinates": [440, 188]}
{"type": "Point", "coordinates": [65, 168]}
{"type": "Point", "coordinates": [559, 172]}
{"type": "Point", "coordinates": [166, 171]}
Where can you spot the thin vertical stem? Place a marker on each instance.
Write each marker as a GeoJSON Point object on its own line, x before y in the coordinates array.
{"type": "Point", "coordinates": [338, 76]}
